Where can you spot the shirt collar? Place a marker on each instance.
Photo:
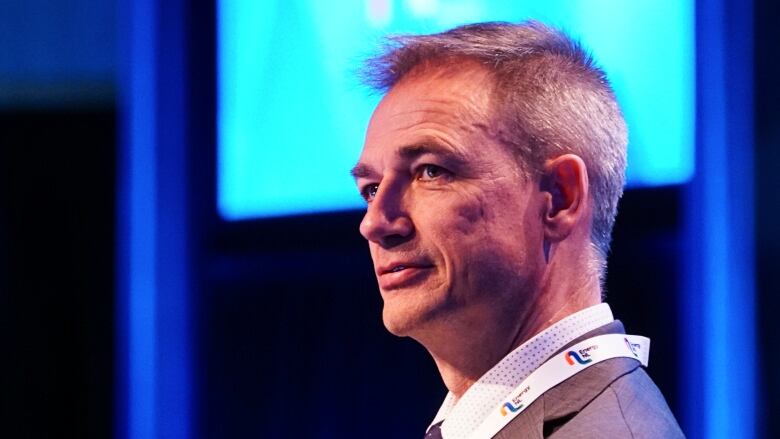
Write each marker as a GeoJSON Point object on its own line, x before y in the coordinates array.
{"type": "Point", "coordinates": [466, 414]}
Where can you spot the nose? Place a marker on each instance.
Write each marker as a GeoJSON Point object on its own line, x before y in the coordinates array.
{"type": "Point", "coordinates": [386, 221]}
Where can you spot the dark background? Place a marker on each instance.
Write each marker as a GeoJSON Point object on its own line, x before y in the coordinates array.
{"type": "Point", "coordinates": [767, 214]}
{"type": "Point", "coordinates": [56, 272]}
{"type": "Point", "coordinates": [288, 319]}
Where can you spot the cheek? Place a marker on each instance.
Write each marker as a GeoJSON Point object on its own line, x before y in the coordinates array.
{"type": "Point", "coordinates": [474, 223]}
{"type": "Point", "coordinates": [492, 226]}
{"type": "Point", "coordinates": [469, 217]}
{"type": "Point", "coordinates": [470, 213]}
{"type": "Point", "coordinates": [478, 214]}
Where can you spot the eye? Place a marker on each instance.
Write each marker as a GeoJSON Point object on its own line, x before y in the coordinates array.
{"type": "Point", "coordinates": [369, 191]}
{"type": "Point", "coordinates": [431, 172]}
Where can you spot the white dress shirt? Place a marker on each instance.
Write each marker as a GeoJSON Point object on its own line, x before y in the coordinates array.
{"type": "Point", "coordinates": [461, 418]}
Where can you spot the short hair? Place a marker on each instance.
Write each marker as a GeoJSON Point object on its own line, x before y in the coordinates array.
{"type": "Point", "coordinates": [550, 99]}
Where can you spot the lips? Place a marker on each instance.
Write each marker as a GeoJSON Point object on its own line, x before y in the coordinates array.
{"type": "Point", "coordinates": [401, 274]}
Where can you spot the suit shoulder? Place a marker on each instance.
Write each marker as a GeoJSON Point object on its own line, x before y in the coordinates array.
{"type": "Point", "coordinates": [630, 407]}
{"type": "Point", "coordinates": [643, 407]}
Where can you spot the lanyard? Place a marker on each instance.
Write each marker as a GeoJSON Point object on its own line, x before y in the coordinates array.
{"type": "Point", "coordinates": [557, 370]}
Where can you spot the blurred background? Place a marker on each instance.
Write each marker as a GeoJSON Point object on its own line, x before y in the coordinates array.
{"type": "Point", "coordinates": [179, 255]}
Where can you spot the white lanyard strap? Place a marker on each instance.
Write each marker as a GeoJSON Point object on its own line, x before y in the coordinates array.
{"type": "Point", "coordinates": [557, 370]}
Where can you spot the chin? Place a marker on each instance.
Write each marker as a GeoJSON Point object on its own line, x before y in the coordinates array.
{"type": "Point", "coordinates": [405, 318]}
{"type": "Point", "coordinates": [396, 329]}
{"type": "Point", "coordinates": [398, 324]}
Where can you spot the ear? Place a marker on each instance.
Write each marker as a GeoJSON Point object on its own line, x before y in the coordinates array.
{"type": "Point", "coordinates": [565, 181]}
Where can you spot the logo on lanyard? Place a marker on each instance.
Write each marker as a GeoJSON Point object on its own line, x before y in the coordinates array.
{"type": "Point", "coordinates": [508, 405]}
{"type": "Point", "coordinates": [633, 347]}
{"type": "Point", "coordinates": [583, 357]}
{"type": "Point", "coordinates": [518, 403]}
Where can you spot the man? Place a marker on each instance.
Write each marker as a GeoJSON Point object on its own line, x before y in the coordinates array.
{"type": "Point", "coordinates": [492, 169]}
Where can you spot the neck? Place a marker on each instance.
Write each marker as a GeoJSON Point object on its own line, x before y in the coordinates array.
{"type": "Point", "coordinates": [465, 349]}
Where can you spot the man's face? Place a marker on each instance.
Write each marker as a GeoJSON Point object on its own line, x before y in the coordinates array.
{"type": "Point", "coordinates": [453, 227]}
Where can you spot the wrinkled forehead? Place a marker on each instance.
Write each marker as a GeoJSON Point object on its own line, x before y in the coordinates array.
{"type": "Point", "coordinates": [453, 99]}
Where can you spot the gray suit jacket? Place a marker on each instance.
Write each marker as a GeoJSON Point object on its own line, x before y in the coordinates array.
{"type": "Point", "coordinates": [612, 399]}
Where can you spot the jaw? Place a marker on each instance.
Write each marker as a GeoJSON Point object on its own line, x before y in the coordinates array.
{"type": "Point", "coordinates": [408, 312]}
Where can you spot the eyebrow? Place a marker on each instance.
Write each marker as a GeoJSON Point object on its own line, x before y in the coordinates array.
{"type": "Point", "coordinates": [411, 152]}
{"type": "Point", "coordinates": [362, 170]}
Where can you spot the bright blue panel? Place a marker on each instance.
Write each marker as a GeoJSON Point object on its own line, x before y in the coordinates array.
{"type": "Point", "coordinates": [153, 389]}
{"type": "Point", "coordinates": [137, 227]}
{"type": "Point", "coordinates": [291, 114]}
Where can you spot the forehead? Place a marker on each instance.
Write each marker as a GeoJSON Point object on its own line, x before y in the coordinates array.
{"type": "Point", "coordinates": [450, 103]}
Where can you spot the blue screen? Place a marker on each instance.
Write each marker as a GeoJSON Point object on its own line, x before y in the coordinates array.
{"type": "Point", "coordinates": [292, 114]}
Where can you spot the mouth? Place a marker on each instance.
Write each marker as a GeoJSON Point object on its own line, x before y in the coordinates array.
{"type": "Point", "coordinates": [401, 274]}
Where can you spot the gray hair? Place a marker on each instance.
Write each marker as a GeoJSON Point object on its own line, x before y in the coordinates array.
{"type": "Point", "coordinates": [551, 99]}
